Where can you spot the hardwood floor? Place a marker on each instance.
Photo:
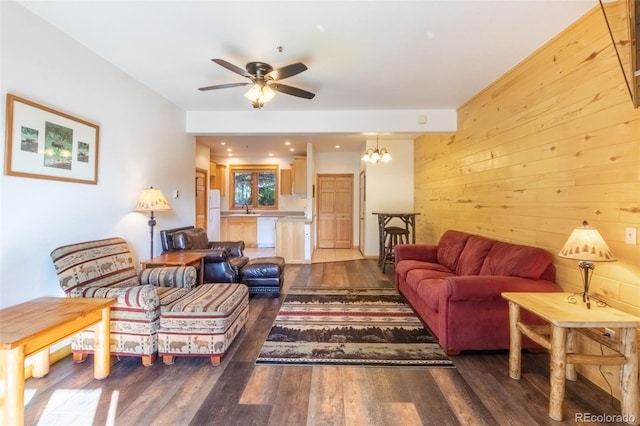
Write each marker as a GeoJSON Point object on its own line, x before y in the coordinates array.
{"type": "Point", "coordinates": [192, 391]}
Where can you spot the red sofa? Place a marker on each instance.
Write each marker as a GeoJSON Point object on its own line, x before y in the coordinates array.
{"type": "Point", "coordinates": [456, 286]}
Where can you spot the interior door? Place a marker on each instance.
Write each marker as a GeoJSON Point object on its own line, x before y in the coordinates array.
{"type": "Point", "coordinates": [201, 199]}
{"type": "Point", "coordinates": [335, 211]}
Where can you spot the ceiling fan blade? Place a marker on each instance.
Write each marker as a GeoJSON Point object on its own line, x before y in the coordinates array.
{"type": "Point", "coordinates": [287, 71]}
{"type": "Point", "coordinates": [232, 67]}
{"type": "Point", "coordinates": [293, 91]}
{"type": "Point", "coordinates": [222, 86]}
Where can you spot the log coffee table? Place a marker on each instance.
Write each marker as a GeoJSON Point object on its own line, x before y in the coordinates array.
{"type": "Point", "coordinates": [31, 327]}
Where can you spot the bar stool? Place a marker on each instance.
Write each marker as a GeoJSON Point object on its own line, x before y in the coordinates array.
{"type": "Point", "coordinates": [393, 235]}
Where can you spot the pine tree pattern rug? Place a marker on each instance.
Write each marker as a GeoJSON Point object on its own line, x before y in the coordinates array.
{"type": "Point", "coordinates": [373, 327]}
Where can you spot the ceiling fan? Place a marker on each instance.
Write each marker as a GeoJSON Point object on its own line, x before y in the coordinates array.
{"type": "Point", "coordinates": [263, 80]}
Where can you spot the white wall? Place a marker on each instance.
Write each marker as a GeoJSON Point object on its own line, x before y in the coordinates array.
{"type": "Point", "coordinates": [389, 188]}
{"type": "Point", "coordinates": [142, 143]}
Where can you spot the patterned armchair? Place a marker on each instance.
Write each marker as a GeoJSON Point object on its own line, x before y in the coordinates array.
{"type": "Point", "coordinates": [105, 268]}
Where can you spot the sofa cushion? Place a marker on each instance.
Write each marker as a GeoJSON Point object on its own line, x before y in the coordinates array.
{"type": "Point", "coordinates": [515, 260]}
{"type": "Point", "coordinates": [403, 267]}
{"type": "Point", "coordinates": [473, 255]}
{"type": "Point", "coordinates": [191, 239]}
{"type": "Point", "coordinates": [450, 246]}
{"type": "Point", "coordinates": [429, 290]}
{"type": "Point", "coordinates": [418, 275]}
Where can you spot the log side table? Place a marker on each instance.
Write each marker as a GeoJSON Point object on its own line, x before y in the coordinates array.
{"type": "Point", "coordinates": [566, 317]}
{"type": "Point", "coordinates": [31, 327]}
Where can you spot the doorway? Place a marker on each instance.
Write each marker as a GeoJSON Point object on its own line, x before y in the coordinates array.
{"type": "Point", "coordinates": [335, 210]}
{"type": "Point", "coordinates": [201, 199]}
{"type": "Point", "coordinates": [363, 198]}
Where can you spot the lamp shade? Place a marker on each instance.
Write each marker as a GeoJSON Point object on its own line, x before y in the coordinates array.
{"type": "Point", "coordinates": [152, 200]}
{"type": "Point", "coordinates": [586, 243]}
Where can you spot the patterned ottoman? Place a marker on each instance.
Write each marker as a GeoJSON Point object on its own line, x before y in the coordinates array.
{"type": "Point", "coordinates": [204, 322]}
{"type": "Point", "coordinates": [264, 275]}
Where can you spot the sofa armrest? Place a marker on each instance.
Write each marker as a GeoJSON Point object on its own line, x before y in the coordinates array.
{"type": "Point", "coordinates": [422, 252]}
{"type": "Point", "coordinates": [170, 276]}
{"type": "Point", "coordinates": [139, 297]}
{"type": "Point", "coordinates": [234, 248]}
{"type": "Point", "coordinates": [491, 287]}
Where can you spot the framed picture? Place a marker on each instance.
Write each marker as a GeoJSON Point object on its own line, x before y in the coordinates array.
{"type": "Point", "coordinates": [48, 144]}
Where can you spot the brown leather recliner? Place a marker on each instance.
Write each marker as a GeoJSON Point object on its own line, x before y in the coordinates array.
{"type": "Point", "coordinates": [223, 259]}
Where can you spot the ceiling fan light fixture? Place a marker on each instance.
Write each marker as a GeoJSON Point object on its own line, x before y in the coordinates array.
{"type": "Point", "coordinates": [260, 93]}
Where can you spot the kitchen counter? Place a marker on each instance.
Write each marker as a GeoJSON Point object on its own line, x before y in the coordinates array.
{"type": "Point", "coordinates": [264, 213]}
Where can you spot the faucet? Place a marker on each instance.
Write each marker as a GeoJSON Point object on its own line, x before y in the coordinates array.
{"type": "Point", "coordinates": [246, 207]}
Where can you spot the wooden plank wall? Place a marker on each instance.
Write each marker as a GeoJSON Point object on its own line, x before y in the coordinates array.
{"type": "Point", "coordinates": [554, 141]}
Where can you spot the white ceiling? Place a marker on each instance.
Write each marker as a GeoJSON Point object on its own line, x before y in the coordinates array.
{"type": "Point", "coordinates": [361, 55]}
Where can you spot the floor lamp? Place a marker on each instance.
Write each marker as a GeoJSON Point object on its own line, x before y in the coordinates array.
{"type": "Point", "coordinates": [586, 245]}
{"type": "Point", "coordinates": [152, 200]}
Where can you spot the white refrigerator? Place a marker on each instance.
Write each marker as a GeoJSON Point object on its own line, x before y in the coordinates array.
{"type": "Point", "coordinates": [213, 223]}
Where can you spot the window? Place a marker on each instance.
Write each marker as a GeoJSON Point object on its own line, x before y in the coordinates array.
{"type": "Point", "coordinates": [254, 186]}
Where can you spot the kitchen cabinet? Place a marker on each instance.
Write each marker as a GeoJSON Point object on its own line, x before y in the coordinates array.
{"type": "Point", "coordinates": [241, 228]}
{"type": "Point", "coordinates": [290, 240]}
{"type": "Point", "coordinates": [217, 173]}
{"type": "Point", "coordinates": [285, 182]}
{"type": "Point", "coordinates": [224, 226]}
{"type": "Point", "coordinates": [299, 175]}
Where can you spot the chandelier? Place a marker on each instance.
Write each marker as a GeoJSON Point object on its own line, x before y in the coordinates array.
{"type": "Point", "coordinates": [376, 155]}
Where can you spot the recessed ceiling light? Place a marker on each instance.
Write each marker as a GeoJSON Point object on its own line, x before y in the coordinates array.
{"type": "Point", "coordinates": [229, 150]}
{"type": "Point", "coordinates": [337, 146]}
{"type": "Point", "coordinates": [320, 27]}
{"type": "Point", "coordinates": [287, 143]}
{"type": "Point", "coordinates": [271, 154]}
{"type": "Point", "coordinates": [223, 143]}
{"type": "Point", "coordinates": [292, 149]}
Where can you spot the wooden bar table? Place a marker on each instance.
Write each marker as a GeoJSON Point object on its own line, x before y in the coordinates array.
{"type": "Point", "coordinates": [567, 314]}
{"type": "Point", "coordinates": [31, 327]}
{"type": "Point", "coordinates": [409, 220]}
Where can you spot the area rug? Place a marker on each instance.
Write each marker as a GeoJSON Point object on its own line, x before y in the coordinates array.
{"type": "Point", "coordinates": [374, 327]}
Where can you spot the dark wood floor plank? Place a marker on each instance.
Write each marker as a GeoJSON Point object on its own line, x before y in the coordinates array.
{"type": "Point", "coordinates": [263, 311]}
{"type": "Point", "coordinates": [217, 409]}
{"type": "Point", "coordinates": [291, 399]}
{"type": "Point", "coordinates": [260, 388]}
{"type": "Point", "coordinates": [466, 405]}
{"type": "Point", "coordinates": [190, 395]}
{"type": "Point", "coordinates": [326, 400]}
{"type": "Point", "coordinates": [430, 403]}
{"type": "Point", "coordinates": [160, 393]}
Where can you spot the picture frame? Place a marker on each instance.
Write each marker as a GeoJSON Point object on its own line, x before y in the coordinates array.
{"type": "Point", "coordinates": [44, 143]}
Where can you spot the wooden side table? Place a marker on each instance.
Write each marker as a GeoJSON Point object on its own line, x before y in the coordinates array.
{"type": "Point", "coordinates": [31, 327]}
{"type": "Point", "coordinates": [559, 338]}
{"type": "Point", "coordinates": [178, 258]}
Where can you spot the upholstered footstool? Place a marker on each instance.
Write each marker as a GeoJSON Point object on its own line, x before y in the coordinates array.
{"type": "Point", "coordinates": [264, 275]}
{"type": "Point", "coordinates": [204, 322]}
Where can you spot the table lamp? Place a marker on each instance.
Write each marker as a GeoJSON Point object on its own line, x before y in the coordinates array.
{"type": "Point", "coordinates": [152, 200]}
{"type": "Point", "coordinates": [586, 245]}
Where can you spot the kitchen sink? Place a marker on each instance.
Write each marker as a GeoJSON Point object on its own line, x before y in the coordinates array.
{"type": "Point", "coordinates": [244, 214]}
